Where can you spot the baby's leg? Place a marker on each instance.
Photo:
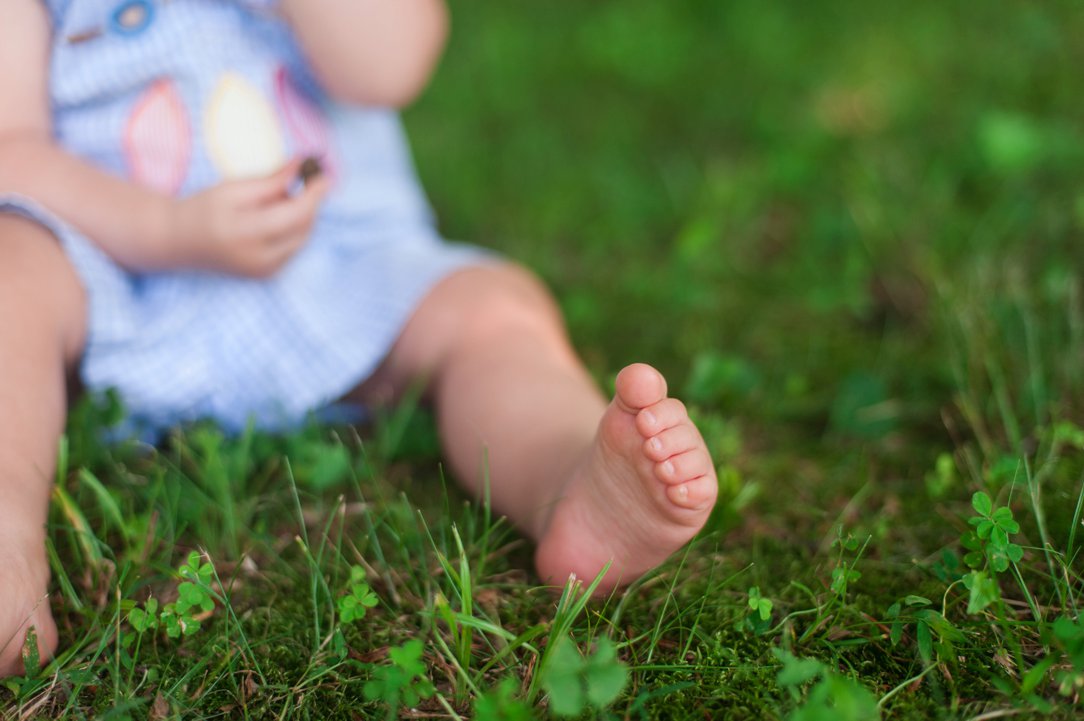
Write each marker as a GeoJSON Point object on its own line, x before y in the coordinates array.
{"type": "Point", "coordinates": [41, 335]}
{"type": "Point", "coordinates": [630, 481]}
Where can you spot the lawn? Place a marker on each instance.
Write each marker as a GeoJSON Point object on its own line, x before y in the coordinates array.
{"type": "Point", "coordinates": [847, 231]}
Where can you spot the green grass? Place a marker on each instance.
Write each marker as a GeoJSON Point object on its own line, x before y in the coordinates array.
{"type": "Point", "coordinates": [848, 231]}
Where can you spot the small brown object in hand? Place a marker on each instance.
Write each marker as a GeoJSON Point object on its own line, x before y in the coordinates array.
{"type": "Point", "coordinates": [310, 168]}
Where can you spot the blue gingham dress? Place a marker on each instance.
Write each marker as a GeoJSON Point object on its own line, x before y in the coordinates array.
{"type": "Point", "coordinates": [180, 95]}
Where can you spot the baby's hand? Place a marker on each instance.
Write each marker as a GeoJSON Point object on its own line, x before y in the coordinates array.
{"type": "Point", "coordinates": [246, 227]}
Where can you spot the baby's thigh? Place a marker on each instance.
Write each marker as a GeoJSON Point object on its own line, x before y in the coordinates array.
{"type": "Point", "coordinates": [39, 288]}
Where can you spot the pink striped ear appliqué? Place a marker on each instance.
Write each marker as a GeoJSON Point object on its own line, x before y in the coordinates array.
{"type": "Point", "coordinates": [158, 139]}
{"type": "Point", "coordinates": [307, 126]}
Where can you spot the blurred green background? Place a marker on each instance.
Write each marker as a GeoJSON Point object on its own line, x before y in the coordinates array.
{"type": "Point", "coordinates": [774, 202]}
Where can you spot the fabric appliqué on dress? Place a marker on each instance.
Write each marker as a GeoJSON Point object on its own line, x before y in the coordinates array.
{"type": "Point", "coordinates": [306, 122]}
{"type": "Point", "coordinates": [158, 139]}
{"type": "Point", "coordinates": [244, 136]}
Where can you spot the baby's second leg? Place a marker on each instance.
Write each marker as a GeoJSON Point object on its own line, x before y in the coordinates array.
{"type": "Point", "coordinates": [41, 334]}
{"type": "Point", "coordinates": [629, 482]}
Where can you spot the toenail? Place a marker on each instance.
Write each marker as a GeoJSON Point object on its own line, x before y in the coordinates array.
{"type": "Point", "coordinates": [683, 491]}
{"type": "Point", "coordinates": [668, 468]}
{"type": "Point", "coordinates": [656, 444]}
{"type": "Point", "coordinates": [649, 417]}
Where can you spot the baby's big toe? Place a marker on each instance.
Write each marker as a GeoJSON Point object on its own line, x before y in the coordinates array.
{"type": "Point", "coordinates": [639, 386]}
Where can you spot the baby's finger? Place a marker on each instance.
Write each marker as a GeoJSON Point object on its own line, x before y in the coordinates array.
{"type": "Point", "coordinates": [313, 194]}
{"type": "Point", "coordinates": [270, 188]}
{"type": "Point", "coordinates": [292, 216]}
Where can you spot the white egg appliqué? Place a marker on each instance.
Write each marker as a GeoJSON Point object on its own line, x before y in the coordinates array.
{"type": "Point", "coordinates": [243, 132]}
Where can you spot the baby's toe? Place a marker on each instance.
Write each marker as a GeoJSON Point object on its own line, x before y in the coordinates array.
{"type": "Point", "coordinates": [684, 467]}
{"type": "Point", "coordinates": [667, 413]}
{"type": "Point", "coordinates": [639, 386]}
{"type": "Point", "coordinates": [679, 439]}
{"type": "Point", "coordinates": [695, 494]}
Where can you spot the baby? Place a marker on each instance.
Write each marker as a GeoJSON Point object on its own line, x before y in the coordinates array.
{"type": "Point", "coordinates": [156, 238]}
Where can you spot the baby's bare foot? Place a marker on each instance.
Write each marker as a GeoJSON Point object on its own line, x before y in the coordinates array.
{"type": "Point", "coordinates": [645, 489]}
{"type": "Point", "coordinates": [24, 604]}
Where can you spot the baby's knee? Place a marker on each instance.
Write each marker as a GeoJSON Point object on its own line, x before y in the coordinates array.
{"type": "Point", "coordinates": [469, 310]}
{"type": "Point", "coordinates": [28, 247]}
{"type": "Point", "coordinates": [510, 296]}
{"type": "Point", "coordinates": [40, 279]}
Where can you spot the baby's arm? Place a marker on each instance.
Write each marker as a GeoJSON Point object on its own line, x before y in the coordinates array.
{"type": "Point", "coordinates": [243, 227]}
{"type": "Point", "coordinates": [127, 221]}
{"type": "Point", "coordinates": [374, 52]}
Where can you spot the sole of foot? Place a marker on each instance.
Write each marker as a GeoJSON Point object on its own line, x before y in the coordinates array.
{"type": "Point", "coordinates": [645, 488]}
